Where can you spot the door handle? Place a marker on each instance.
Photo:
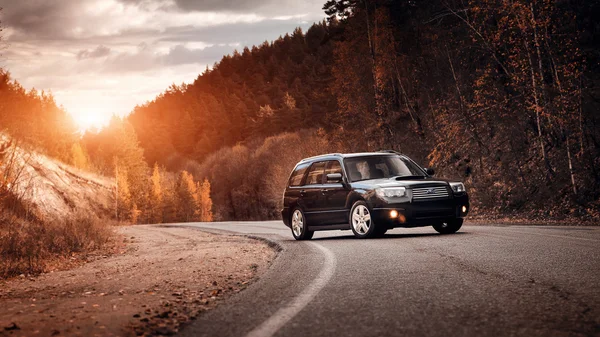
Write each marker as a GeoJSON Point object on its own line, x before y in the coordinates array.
{"type": "Point", "coordinates": [302, 193]}
{"type": "Point", "coordinates": [324, 191]}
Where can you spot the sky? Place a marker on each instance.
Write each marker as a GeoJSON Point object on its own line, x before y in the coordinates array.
{"type": "Point", "coordinates": [104, 57]}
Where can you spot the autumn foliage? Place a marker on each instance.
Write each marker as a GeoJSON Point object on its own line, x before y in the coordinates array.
{"type": "Point", "coordinates": [499, 94]}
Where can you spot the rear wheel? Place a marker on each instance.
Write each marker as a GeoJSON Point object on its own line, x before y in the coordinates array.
{"type": "Point", "coordinates": [299, 227]}
{"type": "Point", "coordinates": [448, 227]}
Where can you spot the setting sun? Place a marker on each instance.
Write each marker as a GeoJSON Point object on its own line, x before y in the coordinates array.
{"type": "Point", "coordinates": [87, 120]}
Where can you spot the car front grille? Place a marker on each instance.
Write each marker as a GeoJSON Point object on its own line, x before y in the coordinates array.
{"type": "Point", "coordinates": [427, 193]}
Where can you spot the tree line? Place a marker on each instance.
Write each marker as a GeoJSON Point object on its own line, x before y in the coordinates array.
{"type": "Point", "coordinates": [33, 121]}
{"type": "Point", "coordinates": [144, 194]}
{"type": "Point", "coordinates": [276, 87]}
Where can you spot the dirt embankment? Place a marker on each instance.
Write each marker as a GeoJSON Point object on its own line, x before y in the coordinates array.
{"type": "Point", "coordinates": [52, 188]}
{"type": "Point", "coordinates": [163, 278]}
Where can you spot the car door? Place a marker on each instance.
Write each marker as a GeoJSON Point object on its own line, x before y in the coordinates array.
{"type": "Point", "coordinates": [334, 196]}
{"type": "Point", "coordinates": [311, 193]}
{"type": "Point", "coordinates": [292, 195]}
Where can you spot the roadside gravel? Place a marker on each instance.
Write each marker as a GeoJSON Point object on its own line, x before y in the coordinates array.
{"type": "Point", "coordinates": [165, 277]}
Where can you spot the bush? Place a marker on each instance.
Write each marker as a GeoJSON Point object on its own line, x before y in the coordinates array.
{"type": "Point", "coordinates": [29, 245]}
{"type": "Point", "coordinates": [247, 182]}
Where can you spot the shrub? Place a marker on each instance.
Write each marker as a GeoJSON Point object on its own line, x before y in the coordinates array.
{"type": "Point", "coordinates": [27, 246]}
{"type": "Point", "coordinates": [247, 182]}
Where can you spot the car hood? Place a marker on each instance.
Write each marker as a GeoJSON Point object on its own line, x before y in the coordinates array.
{"type": "Point", "coordinates": [387, 182]}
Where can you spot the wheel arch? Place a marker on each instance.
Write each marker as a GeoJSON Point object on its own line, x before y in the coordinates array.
{"type": "Point", "coordinates": [354, 197]}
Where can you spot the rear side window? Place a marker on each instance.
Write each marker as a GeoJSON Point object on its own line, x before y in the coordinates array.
{"type": "Point", "coordinates": [315, 174]}
{"type": "Point", "coordinates": [333, 167]}
{"type": "Point", "coordinates": [296, 178]}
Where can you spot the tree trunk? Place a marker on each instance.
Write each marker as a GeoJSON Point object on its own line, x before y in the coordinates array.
{"type": "Point", "coordinates": [571, 166]}
{"type": "Point", "coordinates": [373, 58]}
{"type": "Point", "coordinates": [537, 108]}
{"type": "Point", "coordinates": [581, 136]}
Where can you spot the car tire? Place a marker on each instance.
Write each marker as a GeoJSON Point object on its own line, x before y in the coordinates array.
{"type": "Point", "coordinates": [448, 227]}
{"type": "Point", "coordinates": [299, 226]}
{"type": "Point", "coordinates": [361, 221]}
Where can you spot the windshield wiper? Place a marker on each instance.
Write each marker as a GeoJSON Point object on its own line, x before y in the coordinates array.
{"type": "Point", "coordinates": [407, 177]}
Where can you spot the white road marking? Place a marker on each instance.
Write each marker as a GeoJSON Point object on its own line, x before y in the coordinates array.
{"type": "Point", "coordinates": [286, 313]}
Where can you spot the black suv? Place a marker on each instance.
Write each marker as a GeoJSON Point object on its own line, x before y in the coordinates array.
{"type": "Point", "coordinates": [369, 193]}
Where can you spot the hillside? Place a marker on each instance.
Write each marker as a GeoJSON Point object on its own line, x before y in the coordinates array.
{"type": "Point", "coordinates": [282, 86]}
{"type": "Point", "coordinates": [498, 95]}
{"type": "Point", "coordinates": [51, 188]}
{"type": "Point", "coordinates": [49, 211]}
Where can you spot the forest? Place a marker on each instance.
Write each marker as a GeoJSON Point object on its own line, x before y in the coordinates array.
{"type": "Point", "coordinates": [501, 95]}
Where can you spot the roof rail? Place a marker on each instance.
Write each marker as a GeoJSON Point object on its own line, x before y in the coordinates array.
{"type": "Point", "coordinates": [390, 151]}
{"type": "Point", "coordinates": [321, 155]}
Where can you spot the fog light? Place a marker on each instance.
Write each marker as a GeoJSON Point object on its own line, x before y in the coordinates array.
{"type": "Point", "coordinates": [464, 209]}
{"type": "Point", "coordinates": [393, 213]}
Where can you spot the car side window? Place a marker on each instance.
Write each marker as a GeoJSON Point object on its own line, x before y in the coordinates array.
{"type": "Point", "coordinates": [298, 174]}
{"type": "Point", "coordinates": [333, 166]}
{"type": "Point", "coordinates": [315, 174]}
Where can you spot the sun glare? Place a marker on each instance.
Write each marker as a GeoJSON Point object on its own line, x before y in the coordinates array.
{"type": "Point", "coordinates": [90, 120]}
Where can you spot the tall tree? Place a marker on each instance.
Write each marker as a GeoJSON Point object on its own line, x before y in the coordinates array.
{"type": "Point", "coordinates": [204, 202]}
{"type": "Point", "coordinates": [155, 204]}
{"type": "Point", "coordinates": [187, 194]}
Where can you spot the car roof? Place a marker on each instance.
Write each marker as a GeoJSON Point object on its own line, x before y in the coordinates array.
{"type": "Point", "coordinates": [332, 156]}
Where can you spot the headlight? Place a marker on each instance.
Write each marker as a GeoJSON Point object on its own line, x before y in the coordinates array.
{"type": "Point", "coordinates": [391, 192]}
{"type": "Point", "coordinates": [458, 187]}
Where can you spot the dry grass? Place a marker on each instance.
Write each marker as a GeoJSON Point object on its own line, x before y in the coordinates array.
{"type": "Point", "coordinates": [29, 246]}
{"type": "Point", "coordinates": [38, 232]}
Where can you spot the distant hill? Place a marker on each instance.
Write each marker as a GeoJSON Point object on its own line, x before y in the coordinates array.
{"type": "Point", "coordinates": [257, 92]}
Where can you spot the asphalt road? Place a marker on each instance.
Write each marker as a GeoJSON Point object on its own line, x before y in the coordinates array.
{"type": "Point", "coordinates": [482, 281]}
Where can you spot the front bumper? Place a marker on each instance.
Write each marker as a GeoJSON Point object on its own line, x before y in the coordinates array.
{"type": "Point", "coordinates": [422, 213]}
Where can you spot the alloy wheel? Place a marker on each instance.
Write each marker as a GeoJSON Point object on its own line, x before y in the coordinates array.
{"type": "Point", "coordinates": [361, 219]}
{"type": "Point", "coordinates": [297, 222]}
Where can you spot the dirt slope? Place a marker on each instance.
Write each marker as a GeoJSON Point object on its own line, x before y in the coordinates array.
{"type": "Point", "coordinates": [56, 189]}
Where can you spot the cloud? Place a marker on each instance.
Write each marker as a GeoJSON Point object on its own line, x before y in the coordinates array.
{"type": "Point", "coordinates": [109, 55]}
{"type": "Point", "coordinates": [228, 5]}
{"type": "Point", "coordinates": [267, 8]}
{"type": "Point", "coordinates": [40, 19]}
{"type": "Point", "coordinates": [180, 54]}
{"type": "Point", "coordinates": [243, 33]}
{"type": "Point", "coordinates": [100, 51]}
{"type": "Point", "coordinates": [148, 58]}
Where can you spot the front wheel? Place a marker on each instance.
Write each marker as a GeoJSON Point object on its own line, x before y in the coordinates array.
{"type": "Point", "coordinates": [448, 227]}
{"type": "Point", "coordinates": [361, 222]}
{"type": "Point", "coordinates": [299, 227]}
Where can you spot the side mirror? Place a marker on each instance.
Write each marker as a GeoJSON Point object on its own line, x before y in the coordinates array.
{"type": "Point", "coordinates": [334, 178]}
{"type": "Point", "coordinates": [430, 171]}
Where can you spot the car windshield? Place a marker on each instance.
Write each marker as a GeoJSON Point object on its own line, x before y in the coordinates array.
{"type": "Point", "coordinates": [378, 167]}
